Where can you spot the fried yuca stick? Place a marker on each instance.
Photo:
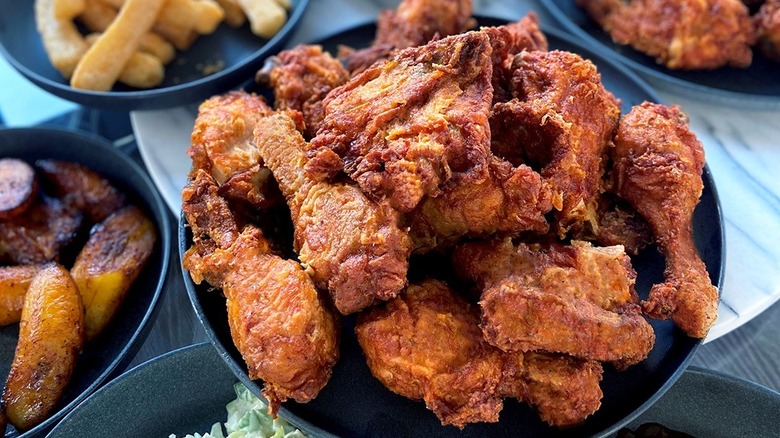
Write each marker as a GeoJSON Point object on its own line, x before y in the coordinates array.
{"type": "Point", "coordinates": [62, 41]}
{"type": "Point", "coordinates": [68, 9]}
{"type": "Point", "coordinates": [97, 16]}
{"type": "Point", "coordinates": [103, 63]}
{"type": "Point", "coordinates": [142, 70]}
{"type": "Point", "coordinates": [234, 15]}
{"type": "Point", "coordinates": [266, 17]}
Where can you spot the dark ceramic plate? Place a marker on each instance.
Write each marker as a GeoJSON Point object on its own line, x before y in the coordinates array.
{"type": "Point", "coordinates": [756, 86]}
{"type": "Point", "coordinates": [241, 52]}
{"type": "Point", "coordinates": [705, 403]}
{"type": "Point", "coordinates": [354, 403]}
{"type": "Point", "coordinates": [182, 392]}
{"type": "Point", "coordinates": [113, 350]}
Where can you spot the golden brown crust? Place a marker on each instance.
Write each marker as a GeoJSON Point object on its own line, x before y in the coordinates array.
{"type": "Point", "coordinates": [416, 22]}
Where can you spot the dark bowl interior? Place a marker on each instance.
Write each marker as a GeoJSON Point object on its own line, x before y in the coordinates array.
{"type": "Point", "coordinates": [354, 403]}
{"type": "Point", "coordinates": [756, 85]}
{"type": "Point", "coordinates": [182, 392]}
{"type": "Point", "coordinates": [112, 350]}
{"type": "Point", "coordinates": [241, 52]}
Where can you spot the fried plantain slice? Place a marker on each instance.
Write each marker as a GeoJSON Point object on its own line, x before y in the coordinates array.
{"type": "Point", "coordinates": [14, 282]}
{"type": "Point", "coordinates": [18, 187]}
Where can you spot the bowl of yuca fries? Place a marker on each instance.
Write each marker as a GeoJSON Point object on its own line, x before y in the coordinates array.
{"type": "Point", "coordinates": [84, 255]}
{"type": "Point", "coordinates": [142, 54]}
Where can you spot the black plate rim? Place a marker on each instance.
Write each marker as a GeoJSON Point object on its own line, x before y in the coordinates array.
{"type": "Point", "coordinates": [164, 227]}
{"type": "Point", "coordinates": [703, 92]}
{"type": "Point", "coordinates": [156, 98]}
{"type": "Point", "coordinates": [305, 425]}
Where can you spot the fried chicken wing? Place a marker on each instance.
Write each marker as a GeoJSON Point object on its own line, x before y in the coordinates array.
{"type": "Point", "coordinates": [223, 145]}
{"type": "Point", "coordinates": [561, 119]}
{"type": "Point", "coordinates": [300, 78]}
{"type": "Point", "coordinates": [426, 344]}
{"type": "Point", "coordinates": [659, 162]}
{"type": "Point", "coordinates": [405, 128]}
{"type": "Point", "coordinates": [767, 22]}
{"type": "Point", "coordinates": [681, 34]}
{"type": "Point", "coordinates": [285, 332]}
{"type": "Point", "coordinates": [349, 244]}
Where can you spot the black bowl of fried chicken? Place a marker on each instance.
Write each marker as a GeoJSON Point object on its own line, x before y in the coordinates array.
{"type": "Point", "coordinates": [84, 253]}
{"type": "Point", "coordinates": [433, 232]}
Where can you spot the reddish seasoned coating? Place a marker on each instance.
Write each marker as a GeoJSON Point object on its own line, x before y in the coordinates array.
{"type": "Point", "coordinates": [561, 119]}
{"type": "Point", "coordinates": [300, 78]}
{"type": "Point", "coordinates": [18, 187]}
{"type": "Point", "coordinates": [405, 128]}
{"type": "Point", "coordinates": [40, 233]}
{"type": "Point", "coordinates": [349, 244]}
{"type": "Point", "coordinates": [658, 166]}
{"type": "Point", "coordinates": [510, 201]}
{"type": "Point", "coordinates": [767, 22]}
{"type": "Point", "coordinates": [284, 331]}
{"type": "Point", "coordinates": [222, 144]}
{"type": "Point", "coordinates": [83, 187]}
{"type": "Point", "coordinates": [417, 22]}
{"type": "Point", "coordinates": [520, 317]}
{"type": "Point", "coordinates": [681, 34]}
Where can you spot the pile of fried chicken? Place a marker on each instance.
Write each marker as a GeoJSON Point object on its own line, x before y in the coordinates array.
{"type": "Point", "coordinates": [692, 34]}
{"type": "Point", "coordinates": [484, 148]}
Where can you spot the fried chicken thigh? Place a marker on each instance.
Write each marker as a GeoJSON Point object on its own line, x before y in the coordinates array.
{"type": "Point", "coordinates": [406, 128]}
{"type": "Point", "coordinates": [284, 331]}
{"type": "Point", "coordinates": [561, 119]}
{"type": "Point", "coordinates": [300, 78]}
{"type": "Point", "coordinates": [681, 34]}
{"type": "Point", "coordinates": [223, 145]}
{"type": "Point", "coordinates": [426, 344]}
{"type": "Point", "coordinates": [658, 165]}
{"type": "Point", "coordinates": [349, 244]}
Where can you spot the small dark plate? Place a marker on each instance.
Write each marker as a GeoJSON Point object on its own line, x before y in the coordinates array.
{"type": "Point", "coordinates": [241, 52]}
{"type": "Point", "coordinates": [705, 403]}
{"type": "Point", "coordinates": [756, 86]}
{"type": "Point", "coordinates": [182, 392]}
{"type": "Point", "coordinates": [354, 403]}
{"type": "Point", "coordinates": [113, 349]}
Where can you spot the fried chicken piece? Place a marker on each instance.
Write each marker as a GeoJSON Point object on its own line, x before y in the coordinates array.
{"type": "Point", "coordinates": [223, 145]}
{"type": "Point", "coordinates": [408, 127]}
{"type": "Point", "coordinates": [767, 22]}
{"type": "Point", "coordinates": [562, 119]}
{"type": "Point", "coordinates": [417, 22]}
{"type": "Point", "coordinates": [426, 344]}
{"type": "Point", "coordinates": [681, 34]}
{"type": "Point", "coordinates": [520, 317]}
{"type": "Point", "coordinates": [658, 166]}
{"type": "Point", "coordinates": [284, 331]}
{"type": "Point", "coordinates": [618, 223]}
{"type": "Point", "coordinates": [349, 244]}
{"type": "Point", "coordinates": [300, 78]}
{"type": "Point", "coordinates": [510, 201]}
{"type": "Point", "coordinates": [41, 233]}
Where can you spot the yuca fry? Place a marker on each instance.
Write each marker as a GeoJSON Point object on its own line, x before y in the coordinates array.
{"type": "Point", "coordinates": [266, 17]}
{"type": "Point", "coordinates": [98, 16]}
{"type": "Point", "coordinates": [202, 16]}
{"type": "Point", "coordinates": [62, 41]}
{"type": "Point", "coordinates": [208, 15]}
{"type": "Point", "coordinates": [68, 9]}
{"type": "Point", "coordinates": [142, 70]}
{"type": "Point", "coordinates": [234, 15]}
{"type": "Point", "coordinates": [103, 63]}
{"type": "Point", "coordinates": [284, 3]}
{"type": "Point", "coordinates": [51, 335]}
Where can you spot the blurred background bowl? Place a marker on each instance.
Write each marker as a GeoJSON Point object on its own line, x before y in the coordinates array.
{"type": "Point", "coordinates": [113, 350]}
{"type": "Point", "coordinates": [237, 50]}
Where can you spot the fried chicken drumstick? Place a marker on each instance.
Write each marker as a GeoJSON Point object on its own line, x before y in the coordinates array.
{"type": "Point", "coordinates": [284, 331]}
{"type": "Point", "coordinates": [658, 166]}
{"type": "Point", "coordinates": [351, 245]}
{"type": "Point", "coordinates": [426, 344]}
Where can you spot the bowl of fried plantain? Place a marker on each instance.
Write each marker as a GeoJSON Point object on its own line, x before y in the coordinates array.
{"type": "Point", "coordinates": [133, 281]}
{"type": "Point", "coordinates": [195, 66]}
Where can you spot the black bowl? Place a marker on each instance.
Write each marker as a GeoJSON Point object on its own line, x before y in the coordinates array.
{"type": "Point", "coordinates": [354, 403]}
{"type": "Point", "coordinates": [753, 87]}
{"type": "Point", "coordinates": [113, 350]}
{"type": "Point", "coordinates": [241, 52]}
{"type": "Point", "coordinates": [183, 392]}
